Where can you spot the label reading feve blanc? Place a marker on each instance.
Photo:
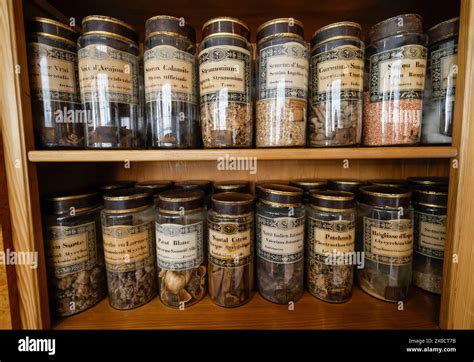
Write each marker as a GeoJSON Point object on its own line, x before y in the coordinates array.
{"type": "Point", "coordinates": [398, 73]}
{"type": "Point", "coordinates": [230, 244]}
{"type": "Point", "coordinates": [330, 238]}
{"type": "Point", "coordinates": [281, 239]}
{"type": "Point", "coordinates": [284, 68]}
{"type": "Point", "coordinates": [127, 248]}
{"type": "Point", "coordinates": [52, 73]}
{"type": "Point", "coordinates": [388, 241]}
{"type": "Point", "coordinates": [107, 74]}
{"type": "Point", "coordinates": [430, 234]}
{"type": "Point", "coordinates": [444, 72]}
{"type": "Point", "coordinates": [224, 71]}
{"type": "Point", "coordinates": [339, 71]}
{"type": "Point", "coordinates": [179, 247]}
{"type": "Point", "coordinates": [71, 249]}
{"type": "Point", "coordinates": [169, 74]}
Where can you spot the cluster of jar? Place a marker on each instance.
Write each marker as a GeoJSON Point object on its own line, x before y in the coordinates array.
{"type": "Point", "coordinates": [183, 242]}
{"type": "Point", "coordinates": [97, 90]}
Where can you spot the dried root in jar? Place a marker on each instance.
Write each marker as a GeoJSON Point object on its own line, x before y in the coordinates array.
{"type": "Point", "coordinates": [331, 283]}
{"type": "Point", "coordinates": [230, 287]}
{"type": "Point", "coordinates": [179, 289]}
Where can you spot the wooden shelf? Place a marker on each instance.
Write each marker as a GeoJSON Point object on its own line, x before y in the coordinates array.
{"type": "Point", "coordinates": [361, 312]}
{"type": "Point", "coordinates": [260, 154]}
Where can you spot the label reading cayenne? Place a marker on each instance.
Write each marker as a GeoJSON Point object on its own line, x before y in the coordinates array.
{"type": "Point", "coordinates": [170, 73]}
{"type": "Point", "coordinates": [398, 73]}
{"type": "Point", "coordinates": [230, 244]}
{"type": "Point", "coordinates": [430, 234]}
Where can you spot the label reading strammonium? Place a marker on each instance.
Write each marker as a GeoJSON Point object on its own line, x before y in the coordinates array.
{"type": "Point", "coordinates": [388, 241]}
{"type": "Point", "coordinates": [179, 247]}
{"type": "Point", "coordinates": [283, 68]}
{"type": "Point", "coordinates": [398, 73]}
{"type": "Point", "coordinates": [443, 73]}
{"type": "Point", "coordinates": [281, 239]}
{"type": "Point", "coordinates": [430, 235]}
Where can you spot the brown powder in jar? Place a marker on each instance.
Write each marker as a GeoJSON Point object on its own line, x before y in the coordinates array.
{"type": "Point", "coordinates": [391, 122]}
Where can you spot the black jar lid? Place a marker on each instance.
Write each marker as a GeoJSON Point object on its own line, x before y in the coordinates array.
{"type": "Point", "coordinates": [397, 25]}
{"type": "Point", "coordinates": [108, 26]}
{"type": "Point", "coordinates": [116, 185]}
{"type": "Point", "coordinates": [428, 181]}
{"type": "Point", "coordinates": [430, 196]}
{"type": "Point", "coordinates": [389, 182]}
{"type": "Point", "coordinates": [288, 27]}
{"type": "Point", "coordinates": [52, 29]}
{"type": "Point", "coordinates": [166, 24]}
{"type": "Point", "coordinates": [385, 196]}
{"type": "Point", "coordinates": [278, 182]}
{"type": "Point", "coordinates": [339, 30]}
{"type": "Point", "coordinates": [179, 200]}
{"type": "Point", "coordinates": [348, 185]}
{"type": "Point", "coordinates": [308, 184]}
{"type": "Point", "coordinates": [280, 195]}
{"type": "Point", "coordinates": [66, 203]}
{"type": "Point", "coordinates": [127, 200]}
{"type": "Point", "coordinates": [444, 30]}
{"type": "Point", "coordinates": [232, 203]}
{"type": "Point", "coordinates": [331, 200]}
{"type": "Point", "coordinates": [204, 185]}
{"type": "Point", "coordinates": [225, 25]}
{"type": "Point", "coordinates": [155, 186]}
{"type": "Point", "coordinates": [231, 186]}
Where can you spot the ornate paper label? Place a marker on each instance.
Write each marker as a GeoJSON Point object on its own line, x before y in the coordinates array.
{"type": "Point", "coordinates": [179, 247]}
{"type": "Point", "coordinates": [52, 73]}
{"type": "Point", "coordinates": [388, 241]}
{"type": "Point", "coordinates": [128, 248]}
{"type": "Point", "coordinates": [224, 71]}
{"type": "Point", "coordinates": [71, 249]}
{"type": "Point", "coordinates": [283, 71]}
{"type": "Point", "coordinates": [170, 74]}
{"type": "Point", "coordinates": [108, 75]}
{"type": "Point", "coordinates": [430, 234]}
{"type": "Point", "coordinates": [281, 239]}
{"type": "Point", "coordinates": [398, 73]}
{"type": "Point", "coordinates": [443, 73]}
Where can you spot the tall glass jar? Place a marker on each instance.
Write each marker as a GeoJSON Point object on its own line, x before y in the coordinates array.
{"type": "Point", "coordinates": [109, 81]}
{"type": "Point", "coordinates": [225, 81]}
{"type": "Point", "coordinates": [280, 221]}
{"type": "Point", "coordinates": [230, 235]}
{"type": "Point", "coordinates": [336, 85]}
{"type": "Point", "coordinates": [330, 245]}
{"type": "Point", "coordinates": [430, 204]}
{"type": "Point", "coordinates": [180, 246]}
{"type": "Point", "coordinates": [171, 93]}
{"type": "Point", "coordinates": [440, 89]}
{"type": "Point", "coordinates": [74, 254]}
{"type": "Point", "coordinates": [128, 227]}
{"type": "Point", "coordinates": [282, 84]}
{"type": "Point", "coordinates": [385, 236]}
{"type": "Point", "coordinates": [396, 69]}
{"type": "Point", "coordinates": [54, 87]}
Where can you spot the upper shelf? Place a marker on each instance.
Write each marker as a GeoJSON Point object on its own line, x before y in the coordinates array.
{"type": "Point", "coordinates": [259, 154]}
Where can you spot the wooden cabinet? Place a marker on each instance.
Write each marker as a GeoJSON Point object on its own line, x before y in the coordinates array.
{"type": "Point", "coordinates": [31, 173]}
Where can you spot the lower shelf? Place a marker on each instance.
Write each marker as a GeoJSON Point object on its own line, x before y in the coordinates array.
{"type": "Point", "coordinates": [361, 312]}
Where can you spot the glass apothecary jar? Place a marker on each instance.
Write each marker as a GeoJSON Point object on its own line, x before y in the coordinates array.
{"type": "Point", "coordinates": [156, 187]}
{"type": "Point", "coordinates": [309, 184]}
{"type": "Point", "coordinates": [225, 81]}
{"type": "Point", "coordinates": [348, 185]}
{"type": "Point", "coordinates": [109, 82]}
{"type": "Point", "coordinates": [231, 248]}
{"type": "Point", "coordinates": [282, 84]}
{"type": "Point", "coordinates": [171, 93]}
{"type": "Point", "coordinates": [336, 85]}
{"type": "Point", "coordinates": [385, 236]}
{"type": "Point", "coordinates": [128, 228]}
{"type": "Point", "coordinates": [440, 89]}
{"type": "Point", "coordinates": [280, 232]}
{"type": "Point", "coordinates": [54, 86]}
{"type": "Point", "coordinates": [430, 204]}
{"type": "Point", "coordinates": [396, 69]}
{"type": "Point", "coordinates": [74, 253]}
{"type": "Point", "coordinates": [231, 186]}
{"type": "Point", "coordinates": [180, 247]}
{"type": "Point", "coordinates": [330, 255]}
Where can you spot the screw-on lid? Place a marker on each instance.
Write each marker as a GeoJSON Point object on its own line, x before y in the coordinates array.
{"type": "Point", "coordinates": [127, 200]}
{"type": "Point", "coordinates": [385, 196]}
{"type": "Point", "coordinates": [232, 203]}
